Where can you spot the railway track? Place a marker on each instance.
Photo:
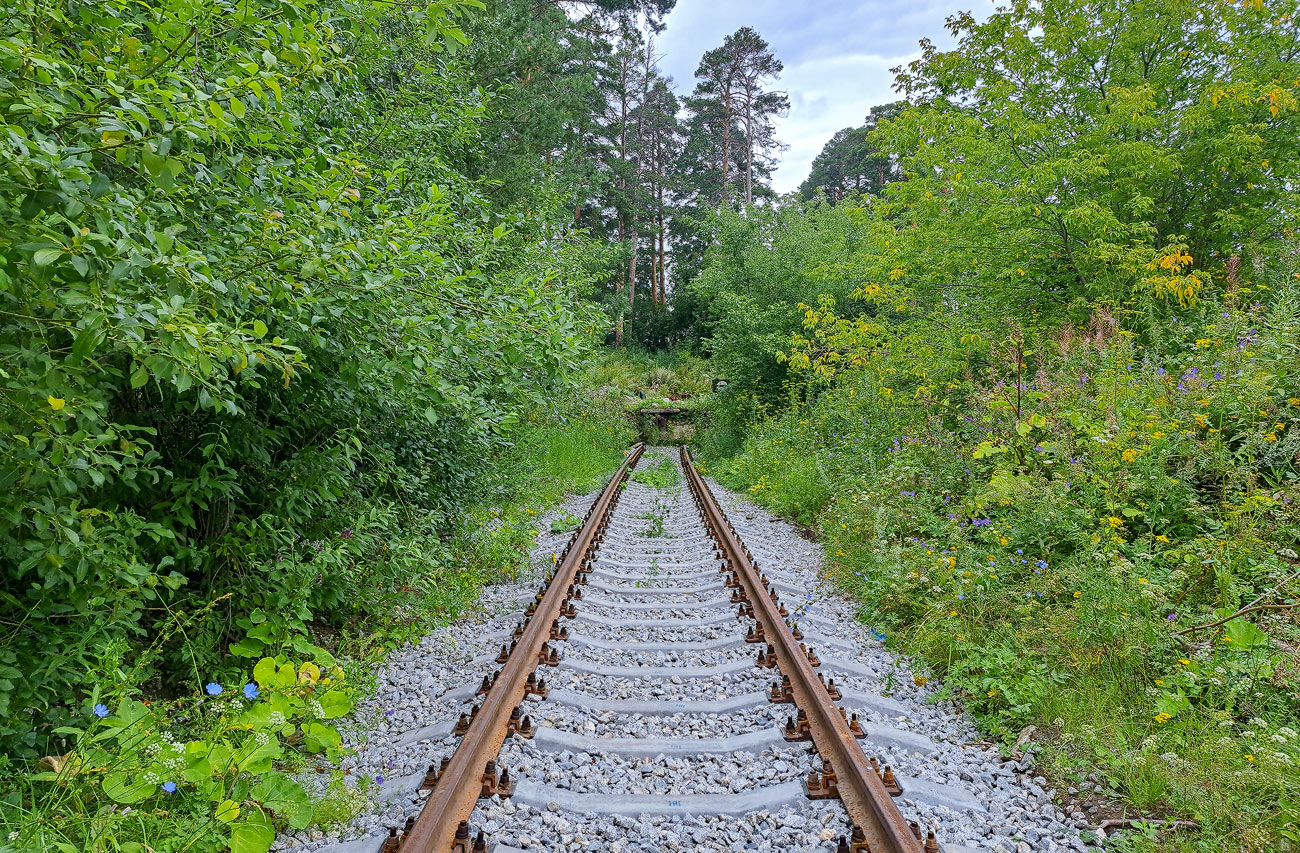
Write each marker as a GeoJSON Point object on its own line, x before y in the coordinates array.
{"type": "Point", "coordinates": [667, 689]}
{"type": "Point", "coordinates": [676, 576]}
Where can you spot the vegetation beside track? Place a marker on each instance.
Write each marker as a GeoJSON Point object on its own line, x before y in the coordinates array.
{"type": "Point", "coordinates": [1039, 399]}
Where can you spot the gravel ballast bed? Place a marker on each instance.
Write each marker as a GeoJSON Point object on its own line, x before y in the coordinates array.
{"type": "Point", "coordinates": [959, 787]}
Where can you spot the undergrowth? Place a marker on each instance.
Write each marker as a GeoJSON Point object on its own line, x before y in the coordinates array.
{"type": "Point", "coordinates": [1083, 530]}
{"type": "Point", "coordinates": [139, 770]}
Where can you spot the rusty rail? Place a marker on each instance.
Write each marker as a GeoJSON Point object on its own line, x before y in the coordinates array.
{"type": "Point", "coordinates": [879, 826]}
{"type": "Point", "coordinates": [442, 825]}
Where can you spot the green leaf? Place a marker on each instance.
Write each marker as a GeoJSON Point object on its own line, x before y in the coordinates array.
{"type": "Point", "coordinates": [45, 257]}
{"type": "Point", "coordinates": [227, 811]}
{"type": "Point", "coordinates": [247, 647]}
{"type": "Point", "coordinates": [253, 835]}
{"type": "Point", "coordinates": [121, 788]}
{"type": "Point", "coordinates": [264, 672]}
{"type": "Point", "coordinates": [335, 703]}
{"type": "Point", "coordinates": [259, 329]}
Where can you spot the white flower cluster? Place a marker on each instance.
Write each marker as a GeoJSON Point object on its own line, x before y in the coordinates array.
{"type": "Point", "coordinates": [315, 708]}
{"type": "Point", "coordinates": [262, 738]}
{"type": "Point", "coordinates": [175, 764]}
{"type": "Point", "coordinates": [277, 719]}
{"type": "Point", "coordinates": [152, 778]}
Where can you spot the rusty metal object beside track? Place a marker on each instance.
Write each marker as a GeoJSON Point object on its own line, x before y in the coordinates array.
{"type": "Point", "coordinates": [847, 772]}
{"type": "Point", "coordinates": [442, 824]}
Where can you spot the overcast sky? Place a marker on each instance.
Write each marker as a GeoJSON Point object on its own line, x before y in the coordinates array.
{"type": "Point", "coordinates": [837, 56]}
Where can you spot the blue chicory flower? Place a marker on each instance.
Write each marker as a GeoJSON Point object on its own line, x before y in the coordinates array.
{"type": "Point", "coordinates": [101, 711]}
{"type": "Point", "coordinates": [169, 787]}
{"type": "Point", "coordinates": [250, 691]}
{"type": "Point", "coordinates": [213, 689]}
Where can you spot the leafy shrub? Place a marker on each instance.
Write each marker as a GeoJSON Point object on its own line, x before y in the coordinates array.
{"type": "Point", "coordinates": [258, 333]}
{"type": "Point", "coordinates": [1047, 535]}
{"type": "Point", "coordinates": [146, 775]}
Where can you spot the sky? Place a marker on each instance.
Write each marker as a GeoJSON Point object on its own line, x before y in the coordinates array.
{"type": "Point", "coordinates": [837, 56]}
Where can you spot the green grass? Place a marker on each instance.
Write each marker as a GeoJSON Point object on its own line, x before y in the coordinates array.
{"type": "Point", "coordinates": [662, 475]}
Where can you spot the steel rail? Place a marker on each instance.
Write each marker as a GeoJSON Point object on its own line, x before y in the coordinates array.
{"type": "Point", "coordinates": [859, 786]}
{"type": "Point", "coordinates": [461, 781]}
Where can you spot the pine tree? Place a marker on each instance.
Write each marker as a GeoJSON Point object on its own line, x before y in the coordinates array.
{"type": "Point", "coordinates": [849, 163]}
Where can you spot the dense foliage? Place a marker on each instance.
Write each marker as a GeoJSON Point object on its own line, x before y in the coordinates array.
{"type": "Point", "coordinates": [257, 330]}
{"type": "Point", "coordinates": [1039, 397]}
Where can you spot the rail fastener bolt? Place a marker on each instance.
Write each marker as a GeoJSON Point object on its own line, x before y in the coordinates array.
{"type": "Point", "coordinates": [797, 728]}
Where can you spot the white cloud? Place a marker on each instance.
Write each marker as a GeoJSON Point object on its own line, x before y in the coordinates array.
{"type": "Point", "coordinates": [825, 96]}
{"type": "Point", "coordinates": [837, 56]}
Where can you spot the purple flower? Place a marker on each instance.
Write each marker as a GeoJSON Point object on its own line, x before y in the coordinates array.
{"type": "Point", "coordinates": [379, 780]}
{"type": "Point", "coordinates": [213, 689]}
{"type": "Point", "coordinates": [1171, 617]}
{"type": "Point", "coordinates": [101, 711]}
{"type": "Point", "coordinates": [169, 787]}
{"type": "Point", "coordinates": [250, 691]}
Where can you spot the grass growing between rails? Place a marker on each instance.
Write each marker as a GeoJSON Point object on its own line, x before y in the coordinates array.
{"type": "Point", "coordinates": [1082, 530]}
{"type": "Point", "coordinates": [139, 768]}
{"type": "Point", "coordinates": [662, 475]}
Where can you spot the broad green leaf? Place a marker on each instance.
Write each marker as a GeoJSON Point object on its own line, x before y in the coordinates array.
{"type": "Point", "coordinates": [226, 811]}
{"type": "Point", "coordinates": [45, 257]}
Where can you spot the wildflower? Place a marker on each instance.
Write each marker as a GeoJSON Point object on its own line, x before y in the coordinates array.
{"type": "Point", "coordinates": [1162, 717]}
{"type": "Point", "coordinates": [213, 689]}
{"type": "Point", "coordinates": [379, 780]}
{"type": "Point", "coordinates": [1160, 682]}
{"type": "Point", "coordinates": [1250, 757]}
{"type": "Point", "coordinates": [993, 692]}
{"type": "Point", "coordinates": [169, 787]}
{"type": "Point", "coordinates": [101, 711]}
{"type": "Point", "coordinates": [1162, 538]}
{"type": "Point", "coordinates": [250, 691]}
{"type": "Point", "coordinates": [1078, 594]}
{"type": "Point", "coordinates": [1143, 580]}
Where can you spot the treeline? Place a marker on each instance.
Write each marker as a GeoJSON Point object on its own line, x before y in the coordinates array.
{"type": "Point", "coordinates": [1036, 389]}
{"type": "Point", "coordinates": [641, 168]}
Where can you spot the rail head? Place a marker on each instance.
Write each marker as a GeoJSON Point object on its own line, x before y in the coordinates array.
{"type": "Point", "coordinates": [858, 785]}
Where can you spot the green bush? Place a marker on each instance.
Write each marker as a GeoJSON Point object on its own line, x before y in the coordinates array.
{"type": "Point", "coordinates": [1050, 552]}
{"type": "Point", "coordinates": [199, 771]}
{"type": "Point", "coordinates": [258, 335]}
